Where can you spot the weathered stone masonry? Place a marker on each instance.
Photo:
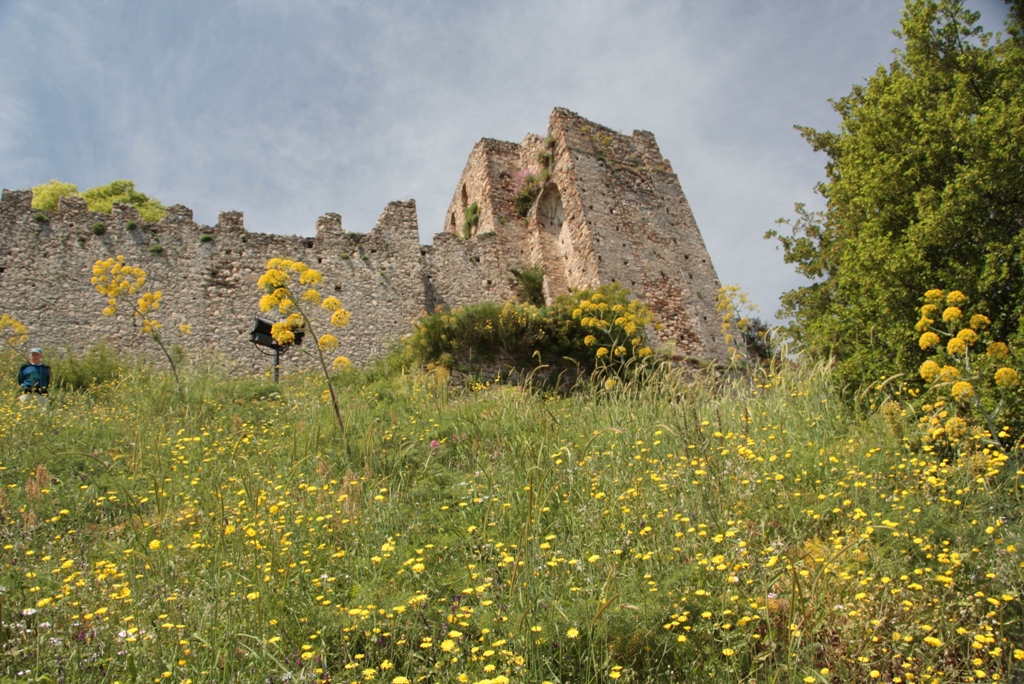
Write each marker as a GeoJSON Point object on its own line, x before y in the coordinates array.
{"type": "Point", "coordinates": [612, 210]}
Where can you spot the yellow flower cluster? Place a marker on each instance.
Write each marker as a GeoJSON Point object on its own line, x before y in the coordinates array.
{"type": "Point", "coordinates": [620, 327]}
{"type": "Point", "coordinates": [120, 283]}
{"type": "Point", "coordinates": [279, 283]}
{"type": "Point", "coordinates": [962, 390]}
{"type": "Point", "coordinates": [1007, 377]}
{"type": "Point", "coordinates": [114, 279]}
{"type": "Point", "coordinates": [958, 344]}
{"type": "Point", "coordinates": [13, 331]}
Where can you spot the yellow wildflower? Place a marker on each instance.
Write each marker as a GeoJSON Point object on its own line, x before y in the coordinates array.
{"type": "Point", "coordinates": [956, 427]}
{"type": "Point", "coordinates": [340, 318]}
{"type": "Point", "coordinates": [281, 333]}
{"type": "Point", "coordinates": [956, 298]}
{"type": "Point", "coordinates": [968, 336]}
{"type": "Point", "coordinates": [998, 351]}
{"type": "Point", "coordinates": [602, 352]}
{"type": "Point", "coordinates": [956, 346]}
{"type": "Point", "coordinates": [980, 321]}
{"type": "Point", "coordinates": [928, 340]}
{"type": "Point", "coordinates": [1007, 377]}
{"type": "Point", "coordinates": [951, 314]}
{"type": "Point", "coordinates": [154, 545]}
{"type": "Point", "coordinates": [268, 302]}
{"type": "Point", "coordinates": [923, 324]}
{"type": "Point", "coordinates": [328, 342]}
{"type": "Point", "coordinates": [934, 296]}
{"type": "Point", "coordinates": [929, 370]}
{"type": "Point", "coordinates": [310, 277]}
{"type": "Point", "coordinates": [962, 390]}
{"type": "Point", "coordinates": [341, 363]}
{"type": "Point", "coordinates": [272, 280]}
{"type": "Point", "coordinates": [949, 373]}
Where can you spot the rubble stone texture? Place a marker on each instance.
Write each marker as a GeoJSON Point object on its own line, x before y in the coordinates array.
{"type": "Point", "coordinates": [609, 210]}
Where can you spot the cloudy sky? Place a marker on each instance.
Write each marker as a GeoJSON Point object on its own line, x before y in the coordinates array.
{"type": "Point", "coordinates": [287, 109]}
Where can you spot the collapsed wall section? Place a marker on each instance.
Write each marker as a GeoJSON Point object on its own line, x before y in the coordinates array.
{"type": "Point", "coordinates": [207, 275]}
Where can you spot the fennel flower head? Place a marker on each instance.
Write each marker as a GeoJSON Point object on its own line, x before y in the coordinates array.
{"type": "Point", "coordinates": [962, 390]}
{"type": "Point", "coordinates": [928, 340]}
{"type": "Point", "coordinates": [1006, 377]}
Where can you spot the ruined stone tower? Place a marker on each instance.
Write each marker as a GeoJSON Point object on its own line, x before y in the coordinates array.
{"type": "Point", "coordinates": [586, 204]}
{"type": "Point", "coordinates": [608, 208]}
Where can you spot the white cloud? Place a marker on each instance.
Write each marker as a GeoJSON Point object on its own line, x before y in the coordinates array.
{"type": "Point", "coordinates": [286, 110]}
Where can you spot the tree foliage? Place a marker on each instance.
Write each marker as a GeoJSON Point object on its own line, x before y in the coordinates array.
{"type": "Point", "coordinates": [100, 199]}
{"type": "Point", "coordinates": [925, 188]}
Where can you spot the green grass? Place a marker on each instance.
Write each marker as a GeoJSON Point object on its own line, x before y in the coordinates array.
{"type": "Point", "coordinates": [686, 529]}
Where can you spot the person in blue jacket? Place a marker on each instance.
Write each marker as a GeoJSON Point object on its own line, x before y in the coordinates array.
{"type": "Point", "coordinates": [34, 377]}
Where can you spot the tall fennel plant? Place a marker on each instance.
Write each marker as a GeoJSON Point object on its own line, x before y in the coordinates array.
{"type": "Point", "coordinates": [289, 287]}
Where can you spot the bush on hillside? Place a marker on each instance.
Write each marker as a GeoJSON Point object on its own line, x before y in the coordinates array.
{"type": "Point", "coordinates": [592, 329]}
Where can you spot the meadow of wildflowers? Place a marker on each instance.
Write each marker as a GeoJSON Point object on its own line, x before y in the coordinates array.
{"type": "Point", "coordinates": [751, 530]}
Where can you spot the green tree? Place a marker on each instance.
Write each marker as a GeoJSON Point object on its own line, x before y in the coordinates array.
{"type": "Point", "coordinates": [925, 188]}
{"type": "Point", "coordinates": [101, 198]}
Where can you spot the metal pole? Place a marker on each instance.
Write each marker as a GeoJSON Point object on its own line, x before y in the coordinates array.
{"type": "Point", "coordinates": [277, 363]}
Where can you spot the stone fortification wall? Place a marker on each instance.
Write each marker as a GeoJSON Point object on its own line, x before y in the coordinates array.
{"type": "Point", "coordinates": [608, 209]}
{"type": "Point", "coordinates": [46, 266]}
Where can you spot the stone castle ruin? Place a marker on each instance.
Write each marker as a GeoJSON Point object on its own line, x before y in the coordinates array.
{"type": "Point", "coordinates": [586, 204]}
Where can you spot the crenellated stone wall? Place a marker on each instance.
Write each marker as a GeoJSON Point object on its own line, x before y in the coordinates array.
{"type": "Point", "coordinates": [611, 210]}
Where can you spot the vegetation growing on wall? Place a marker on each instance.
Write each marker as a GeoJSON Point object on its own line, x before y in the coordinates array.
{"type": "Point", "coordinates": [529, 181]}
{"type": "Point", "coordinates": [99, 199]}
{"type": "Point", "coordinates": [471, 218]}
{"type": "Point", "coordinates": [529, 284]}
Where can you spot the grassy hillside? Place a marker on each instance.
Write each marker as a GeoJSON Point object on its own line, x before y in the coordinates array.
{"type": "Point", "coordinates": [751, 530]}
